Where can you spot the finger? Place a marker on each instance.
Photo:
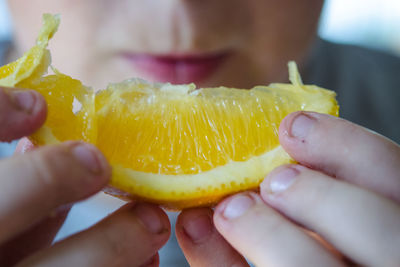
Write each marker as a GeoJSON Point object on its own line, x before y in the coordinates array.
{"type": "Point", "coordinates": [24, 145]}
{"type": "Point", "coordinates": [129, 237]}
{"type": "Point", "coordinates": [37, 237]}
{"type": "Point", "coordinates": [152, 262]}
{"type": "Point", "coordinates": [21, 113]}
{"type": "Point", "coordinates": [343, 150]}
{"type": "Point", "coordinates": [361, 224]}
{"type": "Point", "coordinates": [34, 184]}
{"type": "Point", "coordinates": [265, 237]}
{"type": "Point", "coordinates": [201, 243]}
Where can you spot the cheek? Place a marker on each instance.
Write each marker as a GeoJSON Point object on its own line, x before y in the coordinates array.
{"type": "Point", "coordinates": [27, 17]}
{"type": "Point", "coordinates": [157, 26]}
{"type": "Point", "coordinates": [25, 24]}
{"type": "Point", "coordinates": [284, 23]}
{"type": "Point", "coordinates": [74, 47]}
{"type": "Point", "coordinates": [282, 30]}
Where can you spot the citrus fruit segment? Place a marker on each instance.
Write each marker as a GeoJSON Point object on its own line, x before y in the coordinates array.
{"type": "Point", "coordinates": [71, 110]}
{"type": "Point", "coordinates": [34, 63]}
{"type": "Point", "coordinates": [182, 146]}
{"type": "Point", "coordinates": [70, 104]}
{"type": "Point", "coordinates": [175, 145]}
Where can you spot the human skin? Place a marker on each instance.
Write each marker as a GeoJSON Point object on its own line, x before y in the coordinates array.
{"type": "Point", "coordinates": [259, 36]}
{"type": "Point", "coordinates": [339, 205]}
{"type": "Point", "coordinates": [266, 36]}
{"type": "Point", "coordinates": [38, 188]}
{"type": "Point", "coordinates": [345, 190]}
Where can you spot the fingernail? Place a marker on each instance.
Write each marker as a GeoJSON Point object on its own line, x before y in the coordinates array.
{"type": "Point", "coordinates": [281, 180]}
{"type": "Point", "coordinates": [199, 228]}
{"type": "Point", "coordinates": [149, 218]}
{"type": "Point", "coordinates": [237, 206]}
{"type": "Point", "coordinates": [301, 126]}
{"type": "Point", "coordinates": [25, 100]}
{"type": "Point", "coordinates": [88, 156]}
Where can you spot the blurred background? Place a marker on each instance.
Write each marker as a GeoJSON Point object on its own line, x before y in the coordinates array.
{"type": "Point", "coordinates": [371, 23]}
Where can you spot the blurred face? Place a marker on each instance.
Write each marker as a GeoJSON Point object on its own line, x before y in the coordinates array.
{"type": "Point", "coordinates": [238, 43]}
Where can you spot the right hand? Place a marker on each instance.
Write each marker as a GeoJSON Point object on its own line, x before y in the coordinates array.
{"type": "Point", "coordinates": [38, 188]}
{"type": "Point", "coordinates": [339, 206]}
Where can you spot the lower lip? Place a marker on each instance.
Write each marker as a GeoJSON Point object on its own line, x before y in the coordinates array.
{"type": "Point", "coordinates": [176, 69]}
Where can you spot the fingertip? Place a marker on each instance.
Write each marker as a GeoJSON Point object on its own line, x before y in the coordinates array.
{"type": "Point", "coordinates": [279, 180]}
{"type": "Point", "coordinates": [21, 112]}
{"type": "Point", "coordinates": [135, 222]}
{"type": "Point", "coordinates": [29, 101]}
{"type": "Point", "coordinates": [89, 157]}
{"type": "Point", "coordinates": [284, 126]}
{"type": "Point", "coordinates": [32, 104]}
{"type": "Point", "coordinates": [152, 262]}
{"type": "Point", "coordinates": [153, 219]}
{"type": "Point", "coordinates": [234, 208]}
{"type": "Point", "coordinates": [92, 160]}
{"type": "Point", "coordinates": [40, 110]}
{"type": "Point", "coordinates": [195, 225]}
{"type": "Point", "coordinates": [122, 239]}
{"type": "Point", "coordinates": [143, 227]}
{"type": "Point", "coordinates": [201, 243]}
{"type": "Point", "coordinates": [296, 126]}
{"type": "Point", "coordinates": [264, 236]}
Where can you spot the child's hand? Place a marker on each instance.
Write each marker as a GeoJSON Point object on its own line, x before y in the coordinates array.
{"type": "Point", "coordinates": [346, 188]}
{"type": "Point", "coordinates": [38, 188]}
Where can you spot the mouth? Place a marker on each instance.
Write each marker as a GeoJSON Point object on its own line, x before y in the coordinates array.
{"type": "Point", "coordinates": [175, 68]}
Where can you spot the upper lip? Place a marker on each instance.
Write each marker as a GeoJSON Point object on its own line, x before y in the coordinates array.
{"type": "Point", "coordinates": [177, 68]}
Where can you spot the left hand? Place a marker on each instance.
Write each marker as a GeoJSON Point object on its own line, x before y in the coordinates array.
{"type": "Point", "coordinates": [346, 189]}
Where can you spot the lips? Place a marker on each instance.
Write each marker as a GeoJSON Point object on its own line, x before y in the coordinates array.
{"type": "Point", "coordinates": [176, 69]}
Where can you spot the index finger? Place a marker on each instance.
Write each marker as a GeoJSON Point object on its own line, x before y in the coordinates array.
{"type": "Point", "coordinates": [34, 184]}
{"type": "Point", "coordinates": [343, 150]}
{"type": "Point", "coordinates": [21, 113]}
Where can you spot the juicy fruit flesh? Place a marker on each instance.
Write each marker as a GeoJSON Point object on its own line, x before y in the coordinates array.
{"type": "Point", "coordinates": [63, 121]}
{"type": "Point", "coordinates": [203, 130]}
{"type": "Point", "coordinates": [171, 132]}
{"type": "Point", "coordinates": [172, 145]}
{"type": "Point", "coordinates": [183, 147]}
{"type": "Point", "coordinates": [59, 90]}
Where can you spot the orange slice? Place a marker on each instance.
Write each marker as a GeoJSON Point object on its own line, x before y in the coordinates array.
{"type": "Point", "coordinates": [173, 145]}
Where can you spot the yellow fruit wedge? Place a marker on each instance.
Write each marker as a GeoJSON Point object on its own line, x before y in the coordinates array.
{"type": "Point", "coordinates": [173, 145]}
{"type": "Point", "coordinates": [60, 91]}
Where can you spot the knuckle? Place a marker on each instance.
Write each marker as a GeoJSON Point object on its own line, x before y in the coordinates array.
{"type": "Point", "coordinates": [260, 227]}
{"type": "Point", "coordinates": [318, 194]}
{"type": "Point", "coordinates": [272, 222]}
